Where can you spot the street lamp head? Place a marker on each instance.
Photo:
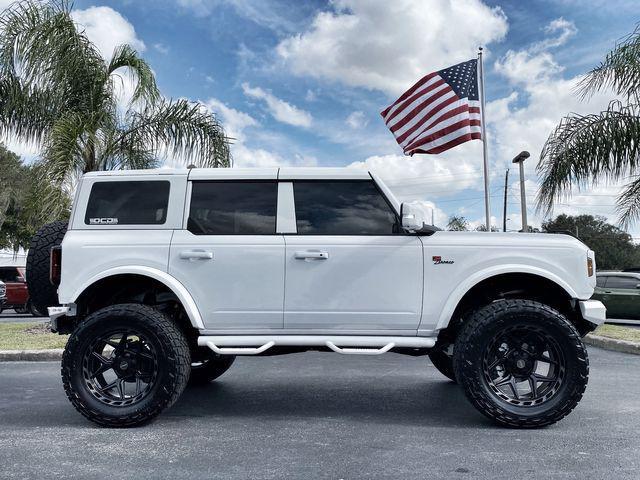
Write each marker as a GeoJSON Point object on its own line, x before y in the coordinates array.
{"type": "Point", "coordinates": [522, 156]}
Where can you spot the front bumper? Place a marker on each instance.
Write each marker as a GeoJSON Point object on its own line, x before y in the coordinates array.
{"type": "Point", "coordinates": [593, 311]}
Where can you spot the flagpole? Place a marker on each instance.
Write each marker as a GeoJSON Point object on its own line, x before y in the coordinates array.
{"type": "Point", "coordinates": [487, 204]}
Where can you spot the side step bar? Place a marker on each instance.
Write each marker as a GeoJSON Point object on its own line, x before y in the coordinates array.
{"type": "Point", "coordinates": [343, 344]}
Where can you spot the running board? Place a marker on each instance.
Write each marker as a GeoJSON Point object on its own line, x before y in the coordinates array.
{"type": "Point", "coordinates": [343, 344]}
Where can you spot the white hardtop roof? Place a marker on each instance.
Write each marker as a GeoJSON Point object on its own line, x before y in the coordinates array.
{"type": "Point", "coordinates": [285, 173]}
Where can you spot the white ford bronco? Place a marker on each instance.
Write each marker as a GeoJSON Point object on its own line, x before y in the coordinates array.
{"type": "Point", "coordinates": [163, 277]}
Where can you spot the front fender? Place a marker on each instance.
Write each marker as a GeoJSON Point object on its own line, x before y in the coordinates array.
{"type": "Point", "coordinates": [456, 296]}
{"type": "Point", "coordinates": [163, 277]}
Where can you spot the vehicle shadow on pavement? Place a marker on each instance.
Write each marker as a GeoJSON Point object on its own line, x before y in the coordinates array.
{"type": "Point", "coordinates": [432, 402]}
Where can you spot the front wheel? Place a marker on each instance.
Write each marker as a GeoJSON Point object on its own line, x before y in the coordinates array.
{"type": "Point", "coordinates": [124, 365]}
{"type": "Point", "coordinates": [521, 363]}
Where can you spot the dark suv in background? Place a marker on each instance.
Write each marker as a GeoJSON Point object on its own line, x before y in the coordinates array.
{"type": "Point", "coordinates": [620, 293]}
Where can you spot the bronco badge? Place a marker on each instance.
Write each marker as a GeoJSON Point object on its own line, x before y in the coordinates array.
{"type": "Point", "coordinates": [437, 260]}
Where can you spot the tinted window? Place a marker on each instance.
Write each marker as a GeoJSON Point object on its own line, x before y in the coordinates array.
{"type": "Point", "coordinates": [9, 274]}
{"type": "Point", "coordinates": [342, 208]}
{"type": "Point", "coordinates": [128, 203]}
{"type": "Point", "coordinates": [233, 208]}
{"type": "Point", "coordinates": [600, 281]}
{"type": "Point", "coordinates": [622, 282]}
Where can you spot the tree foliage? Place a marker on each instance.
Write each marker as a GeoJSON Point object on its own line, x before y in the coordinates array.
{"type": "Point", "coordinates": [613, 247]}
{"type": "Point", "coordinates": [457, 223]}
{"type": "Point", "coordinates": [20, 192]}
{"type": "Point", "coordinates": [56, 91]}
{"type": "Point", "coordinates": [585, 150]}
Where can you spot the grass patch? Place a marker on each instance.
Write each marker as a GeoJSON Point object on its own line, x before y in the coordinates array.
{"type": "Point", "coordinates": [619, 333]}
{"type": "Point", "coordinates": [29, 336]}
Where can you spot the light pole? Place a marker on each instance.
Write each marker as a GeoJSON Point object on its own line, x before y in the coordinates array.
{"type": "Point", "coordinates": [522, 156]}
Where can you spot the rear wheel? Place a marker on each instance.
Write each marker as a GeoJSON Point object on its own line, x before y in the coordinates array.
{"type": "Point", "coordinates": [521, 363]}
{"type": "Point", "coordinates": [442, 359]}
{"type": "Point", "coordinates": [124, 365]}
{"type": "Point", "coordinates": [207, 365]}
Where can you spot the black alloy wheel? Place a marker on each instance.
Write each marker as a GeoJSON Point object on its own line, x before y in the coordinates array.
{"type": "Point", "coordinates": [521, 363]}
{"type": "Point", "coordinates": [524, 366]}
{"type": "Point", "coordinates": [125, 364]}
{"type": "Point", "coordinates": [120, 367]}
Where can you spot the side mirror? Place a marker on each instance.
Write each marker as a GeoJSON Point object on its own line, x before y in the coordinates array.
{"type": "Point", "coordinates": [637, 285]}
{"type": "Point", "coordinates": [412, 217]}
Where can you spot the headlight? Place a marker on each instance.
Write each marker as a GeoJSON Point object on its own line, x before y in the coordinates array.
{"type": "Point", "coordinates": [590, 266]}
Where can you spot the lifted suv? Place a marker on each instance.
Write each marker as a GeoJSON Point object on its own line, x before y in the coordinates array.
{"type": "Point", "coordinates": [166, 276]}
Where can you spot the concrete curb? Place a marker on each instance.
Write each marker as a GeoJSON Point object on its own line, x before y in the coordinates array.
{"type": "Point", "coordinates": [623, 346]}
{"type": "Point", "coordinates": [31, 355]}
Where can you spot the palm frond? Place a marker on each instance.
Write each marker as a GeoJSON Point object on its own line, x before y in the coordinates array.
{"type": "Point", "coordinates": [628, 203]}
{"type": "Point", "coordinates": [43, 55]}
{"type": "Point", "coordinates": [620, 70]}
{"type": "Point", "coordinates": [183, 130]}
{"type": "Point", "coordinates": [127, 57]}
{"type": "Point", "coordinates": [26, 112]}
{"type": "Point", "coordinates": [126, 152]}
{"type": "Point", "coordinates": [66, 149]}
{"type": "Point", "coordinates": [587, 149]}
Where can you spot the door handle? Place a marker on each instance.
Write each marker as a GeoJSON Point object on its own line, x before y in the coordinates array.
{"type": "Point", "coordinates": [311, 255]}
{"type": "Point", "coordinates": [607, 291]}
{"type": "Point", "coordinates": [196, 255]}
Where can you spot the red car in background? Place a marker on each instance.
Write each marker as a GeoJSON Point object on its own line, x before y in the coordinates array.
{"type": "Point", "coordinates": [17, 296]}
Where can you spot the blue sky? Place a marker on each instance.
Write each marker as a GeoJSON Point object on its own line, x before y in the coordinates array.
{"type": "Point", "coordinates": [302, 82]}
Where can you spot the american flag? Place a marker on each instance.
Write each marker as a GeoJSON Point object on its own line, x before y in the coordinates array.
{"type": "Point", "coordinates": [439, 112]}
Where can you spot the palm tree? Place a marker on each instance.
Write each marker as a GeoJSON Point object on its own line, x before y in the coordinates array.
{"type": "Point", "coordinates": [587, 149]}
{"type": "Point", "coordinates": [457, 223]}
{"type": "Point", "coordinates": [57, 92]}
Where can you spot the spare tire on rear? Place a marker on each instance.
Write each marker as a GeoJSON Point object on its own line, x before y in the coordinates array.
{"type": "Point", "coordinates": [42, 292]}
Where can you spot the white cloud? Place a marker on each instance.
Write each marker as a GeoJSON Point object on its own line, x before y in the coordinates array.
{"type": "Point", "coordinates": [564, 30]}
{"type": "Point", "coordinates": [200, 7]}
{"type": "Point", "coordinates": [279, 109]}
{"type": "Point", "coordinates": [526, 67]}
{"type": "Point", "coordinates": [161, 47]}
{"type": "Point", "coordinates": [269, 14]}
{"type": "Point", "coordinates": [234, 121]}
{"type": "Point", "coordinates": [535, 63]}
{"type": "Point", "coordinates": [235, 124]}
{"type": "Point", "coordinates": [107, 29]}
{"type": "Point", "coordinates": [387, 46]}
{"type": "Point", "coordinates": [310, 96]}
{"type": "Point", "coordinates": [357, 120]}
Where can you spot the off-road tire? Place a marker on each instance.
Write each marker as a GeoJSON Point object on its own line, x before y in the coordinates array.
{"type": "Point", "coordinates": [474, 338]}
{"type": "Point", "coordinates": [443, 363]}
{"type": "Point", "coordinates": [207, 365]}
{"type": "Point", "coordinates": [41, 292]}
{"type": "Point", "coordinates": [173, 356]}
{"type": "Point", "coordinates": [30, 308]}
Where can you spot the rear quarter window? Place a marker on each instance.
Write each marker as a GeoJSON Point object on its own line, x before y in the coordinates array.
{"type": "Point", "coordinates": [128, 203]}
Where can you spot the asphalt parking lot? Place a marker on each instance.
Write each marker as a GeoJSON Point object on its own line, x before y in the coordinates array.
{"type": "Point", "coordinates": [318, 415]}
{"type": "Point", "coordinates": [9, 316]}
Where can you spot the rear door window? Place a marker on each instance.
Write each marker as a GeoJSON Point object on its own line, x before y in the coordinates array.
{"type": "Point", "coordinates": [128, 203]}
{"type": "Point", "coordinates": [233, 208]}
